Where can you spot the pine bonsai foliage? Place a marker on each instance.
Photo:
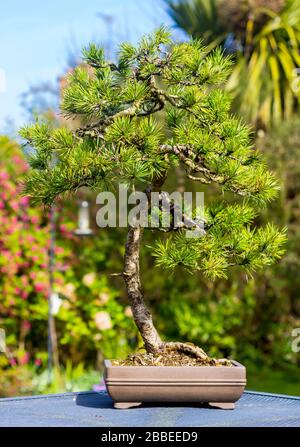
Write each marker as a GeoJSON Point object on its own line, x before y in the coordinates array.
{"type": "Point", "coordinates": [121, 140]}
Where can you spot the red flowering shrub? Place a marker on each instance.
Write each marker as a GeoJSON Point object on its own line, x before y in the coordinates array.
{"type": "Point", "coordinates": [24, 243]}
{"type": "Point", "coordinates": [90, 318]}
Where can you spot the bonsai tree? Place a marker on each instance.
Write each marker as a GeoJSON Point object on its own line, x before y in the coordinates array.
{"type": "Point", "coordinates": [161, 105]}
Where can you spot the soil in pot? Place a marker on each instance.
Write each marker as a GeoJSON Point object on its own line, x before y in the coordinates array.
{"type": "Point", "coordinates": [169, 359]}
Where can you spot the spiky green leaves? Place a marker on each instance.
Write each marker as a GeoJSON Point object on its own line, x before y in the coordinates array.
{"type": "Point", "coordinates": [62, 162]}
{"type": "Point", "coordinates": [38, 137]}
{"type": "Point", "coordinates": [89, 95]}
{"type": "Point", "coordinates": [221, 148]}
{"type": "Point", "coordinates": [230, 241]}
{"type": "Point", "coordinates": [152, 43]}
{"type": "Point", "coordinates": [225, 218]}
{"type": "Point", "coordinates": [145, 134]}
{"type": "Point", "coordinates": [94, 55]}
{"type": "Point", "coordinates": [190, 65]}
{"type": "Point", "coordinates": [68, 175]}
{"type": "Point", "coordinates": [137, 144]}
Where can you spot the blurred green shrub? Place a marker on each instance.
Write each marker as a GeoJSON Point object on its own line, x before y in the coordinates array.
{"type": "Point", "coordinates": [70, 378]}
{"type": "Point", "coordinates": [15, 377]}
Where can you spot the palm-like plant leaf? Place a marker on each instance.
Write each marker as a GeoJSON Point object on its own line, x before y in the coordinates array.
{"type": "Point", "coordinates": [265, 85]}
{"type": "Point", "coordinates": [199, 19]}
{"type": "Point", "coordinates": [265, 81]}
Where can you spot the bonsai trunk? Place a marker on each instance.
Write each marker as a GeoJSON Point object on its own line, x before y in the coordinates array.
{"type": "Point", "coordinates": [141, 315]}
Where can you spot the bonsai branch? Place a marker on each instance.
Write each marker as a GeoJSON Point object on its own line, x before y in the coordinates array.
{"type": "Point", "coordinates": [197, 179]}
{"type": "Point", "coordinates": [149, 106]}
{"type": "Point", "coordinates": [195, 164]}
{"type": "Point", "coordinates": [187, 222]}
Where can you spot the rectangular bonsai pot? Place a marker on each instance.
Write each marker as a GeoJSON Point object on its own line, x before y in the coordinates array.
{"type": "Point", "coordinates": [220, 386]}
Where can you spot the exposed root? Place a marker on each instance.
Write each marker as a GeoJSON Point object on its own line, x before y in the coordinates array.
{"type": "Point", "coordinates": [185, 348]}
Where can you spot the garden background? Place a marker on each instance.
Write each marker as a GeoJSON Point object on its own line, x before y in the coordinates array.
{"type": "Point", "coordinates": [249, 319]}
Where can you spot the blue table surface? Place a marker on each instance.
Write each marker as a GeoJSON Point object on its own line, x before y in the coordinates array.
{"type": "Point", "coordinates": [95, 409]}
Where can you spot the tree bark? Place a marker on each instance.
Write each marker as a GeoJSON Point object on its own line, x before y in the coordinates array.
{"type": "Point", "coordinates": [131, 274]}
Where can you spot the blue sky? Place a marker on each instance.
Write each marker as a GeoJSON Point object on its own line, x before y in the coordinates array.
{"type": "Point", "coordinates": [36, 38]}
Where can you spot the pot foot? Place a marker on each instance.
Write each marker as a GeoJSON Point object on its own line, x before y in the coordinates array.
{"type": "Point", "coordinates": [126, 405]}
{"type": "Point", "coordinates": [222, 405]}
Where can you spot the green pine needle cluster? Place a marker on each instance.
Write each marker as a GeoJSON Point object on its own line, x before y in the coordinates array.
{"type": "Point", "coordinates": [162, 103]}
{"type": "Point", "coordinates": [230, 241]}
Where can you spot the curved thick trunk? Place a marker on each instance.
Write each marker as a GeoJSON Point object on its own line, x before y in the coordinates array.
{"type": "Point", "coordinates": [141, 315]}
{"type": "Point", "coordinates": [131, 274]}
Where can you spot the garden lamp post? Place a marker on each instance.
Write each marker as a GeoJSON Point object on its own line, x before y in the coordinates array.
{"type": "Point", "coordinates": [84, 228]}
{"type": "Point", "coordinates": [52, 339]}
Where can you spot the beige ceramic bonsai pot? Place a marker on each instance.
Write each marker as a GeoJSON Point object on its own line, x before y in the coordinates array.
{"type": "Point", "coordinates": [220, 386]}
